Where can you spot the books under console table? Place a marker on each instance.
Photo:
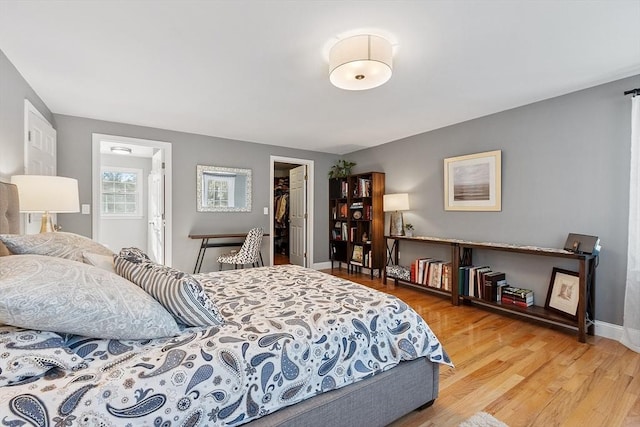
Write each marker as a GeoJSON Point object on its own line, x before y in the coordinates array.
{"type": "Point", "coordinates": [461, 252]}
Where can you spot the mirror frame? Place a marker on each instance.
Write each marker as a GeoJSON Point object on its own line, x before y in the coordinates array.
{"type": "Point", "coordinates": [202, 207]}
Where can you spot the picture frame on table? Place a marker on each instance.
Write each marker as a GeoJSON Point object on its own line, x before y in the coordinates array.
{"type": "Point", "coordinates": [564, 293]}
{"type": "Point", "coordinates": [473, 182]}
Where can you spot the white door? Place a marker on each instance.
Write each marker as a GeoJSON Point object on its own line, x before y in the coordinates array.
{"type": "Point", "coordinates": [298, 216]}
{"type": "Point", "coordinates": [39, 156]}
{"type": "Point", "coordinates": [156, 208]}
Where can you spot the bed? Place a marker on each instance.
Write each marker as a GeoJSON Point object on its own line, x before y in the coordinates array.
{"type": "Point", "coordinates": [294, 347]}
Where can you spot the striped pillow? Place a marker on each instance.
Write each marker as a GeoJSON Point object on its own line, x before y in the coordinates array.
{"type": "Point", "coordinates": [178, 292]}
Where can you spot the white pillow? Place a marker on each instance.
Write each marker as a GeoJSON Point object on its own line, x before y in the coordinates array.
{"type": "Point", "coordinates": [55, 294]}
{"type": "Point", "coordinates": [58, 244]}
{"type": "Point", "coordinates": [25, 354]}
{"type": "Point", "coordinates": [104, 262]}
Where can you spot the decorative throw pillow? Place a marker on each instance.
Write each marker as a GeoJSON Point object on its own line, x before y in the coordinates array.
{"type": "Point", "coordinates": [58, 244]}
{"type": "Point", "coordinates": [104, 262]}
{"type": "Point", "coordinates": [181, 294]}
{"type": "Point", "coordinates": [25, 354]}
{"type": "Point", "coordinates": [134, 255]}
{"type": "Point", "coordinates": [55, 294]}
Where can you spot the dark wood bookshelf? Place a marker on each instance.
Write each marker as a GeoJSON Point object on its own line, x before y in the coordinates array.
{"type": "Point", "coordinates": [368, 220]}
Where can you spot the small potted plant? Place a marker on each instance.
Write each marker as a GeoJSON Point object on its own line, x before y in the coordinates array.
{"type": "Point", "coordinates": [408, 230]}
{"type": "Point", "coordinates": [341, 169]}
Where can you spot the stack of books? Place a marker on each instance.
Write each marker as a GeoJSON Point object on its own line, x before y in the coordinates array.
{"type": "Point", "coordinates": [481, 282]}
{"type": "Point", "coordinates": [516, 296]}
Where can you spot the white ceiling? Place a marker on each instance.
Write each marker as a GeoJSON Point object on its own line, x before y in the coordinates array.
{"type": "Point", "coordinates": [256, 70]}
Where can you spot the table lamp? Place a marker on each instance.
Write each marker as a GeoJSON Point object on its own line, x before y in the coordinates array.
{"type": "Point", "coordinates": [47, 194]}
{"type": "Point", "coordinates": [395, 203]}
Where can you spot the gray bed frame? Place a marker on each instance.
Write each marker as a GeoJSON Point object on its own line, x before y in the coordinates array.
{"type": "Point", "coordinates": [376, 401]}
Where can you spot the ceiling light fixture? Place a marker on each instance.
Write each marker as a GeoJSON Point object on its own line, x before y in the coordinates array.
{"type": "Point", "coordinates": [120, 150]}
{"type": "Point", "coordinates": [360, 62]}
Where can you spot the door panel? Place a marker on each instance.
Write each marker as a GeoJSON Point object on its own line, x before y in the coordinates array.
{"type": "Point", "coordinates": [39, 159]}
{"type": "Point", "coordinates": [298, 215]}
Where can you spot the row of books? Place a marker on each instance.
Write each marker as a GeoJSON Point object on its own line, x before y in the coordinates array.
{"type": "Point", "coordinates": [358, 211]}
{"type": "Point", "coordinates": [431, 272]}
{"type": "Point", "coordinates": [483, 283]}
{"type": "Point", "coordinates": [363, 188]}
{"type": "Point", "coordinates": [339, 231]}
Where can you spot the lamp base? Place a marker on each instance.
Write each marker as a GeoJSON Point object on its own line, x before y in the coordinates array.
{"type": "Point", "coordinates": [396, 225]}
{"type": "Point", "coordinates": [46, 224]}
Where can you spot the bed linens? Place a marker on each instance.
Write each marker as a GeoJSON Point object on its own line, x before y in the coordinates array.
{"type": "Point", "coordinates": [290, 333]}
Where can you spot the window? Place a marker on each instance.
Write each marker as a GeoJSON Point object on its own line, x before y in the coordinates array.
{"type": "Point", "coordinates": [121, 192]}
{"type": "Point", "coordinates": [220, 190]}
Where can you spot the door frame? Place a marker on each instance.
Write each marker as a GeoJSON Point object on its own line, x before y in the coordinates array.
{"type": "Point", "coordinates": [310, 220]}
{"type": "Point", "coordinates": [95, 184]}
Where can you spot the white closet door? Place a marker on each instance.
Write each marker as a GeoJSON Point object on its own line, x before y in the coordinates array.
{"type": "Point", "coordinates": [298, 216]}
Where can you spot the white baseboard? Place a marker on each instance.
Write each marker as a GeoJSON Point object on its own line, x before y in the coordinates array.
{"type": "Point", "coordinates": [321, 265]}
{"type": "Point", "coordinates": [608, 330]}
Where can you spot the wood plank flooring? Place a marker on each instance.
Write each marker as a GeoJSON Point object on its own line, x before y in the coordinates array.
{"type": "Point", "coordinates": [520, 372]}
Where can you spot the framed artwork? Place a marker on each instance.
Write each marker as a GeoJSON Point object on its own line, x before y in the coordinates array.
{"type": "Point", "coordinates": [563, 293]}
{"type": "Point", "coordinates": [473, 182]}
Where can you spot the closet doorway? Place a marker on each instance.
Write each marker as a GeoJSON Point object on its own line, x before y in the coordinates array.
{"type": "Point", "coordinates": [291, 211]}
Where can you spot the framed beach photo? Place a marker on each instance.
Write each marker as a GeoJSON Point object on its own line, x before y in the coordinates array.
{"type": "Point", "coordinates": [473, 182]}
{"type": "Point", "coordinates": [564, 293]}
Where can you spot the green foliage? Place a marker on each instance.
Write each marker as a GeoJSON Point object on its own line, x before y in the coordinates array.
{"type": "Point", "coordinates": [341, 169]}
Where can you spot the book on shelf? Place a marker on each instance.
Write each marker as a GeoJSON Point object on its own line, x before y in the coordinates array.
{"type": "Point", "coordinates": [517, 295]}
{"type": "Point", "coordinates": [435, 274]}
{"type": "Point", "coordinates": [356, 205]}
{"type": "Point", "coordinates": [363, 188]}
{"type": "Point", "coordinates": [344, 231]}
{"type": "Point", "coordinates": [491, 283]}
{"type": "Point", "coordinates": [510, 300]}
{"type": "Point", "coordinates": [357, 255]}
{"type": "Point", "coordinates": [343, 211]}
{"type": "Point", "coordinates": [344, 189]}
{"type": "Point", "coordinates": [446, 276]}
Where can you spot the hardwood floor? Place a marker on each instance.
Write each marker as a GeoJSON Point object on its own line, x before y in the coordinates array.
{"type": "Point", "coordinates": [522, 373]}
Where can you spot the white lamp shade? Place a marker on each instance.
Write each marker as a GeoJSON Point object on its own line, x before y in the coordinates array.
{"type": "Point", "coordinates": [396, 202]}
{"type": "Point", "coordinates": [44, 193]}
{"type": "Point", "coordinates": [360, 62]}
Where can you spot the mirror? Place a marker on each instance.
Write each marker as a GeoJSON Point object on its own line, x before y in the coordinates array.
{"type": "Point", "coordinates": [221, 189]}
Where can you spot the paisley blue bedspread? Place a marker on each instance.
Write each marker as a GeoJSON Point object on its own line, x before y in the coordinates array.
{"type": "Point", "coordinates": [290, 333]}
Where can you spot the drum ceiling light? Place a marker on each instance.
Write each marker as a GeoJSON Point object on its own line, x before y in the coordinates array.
{"type": "Point", "coordinates": [360, 62]}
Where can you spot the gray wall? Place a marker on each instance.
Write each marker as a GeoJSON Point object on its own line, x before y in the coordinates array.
{"type": "Point", "coordinates": [565, 168]}
{"type": "Point", "coordinates": [13, 91]}
{"type": "Point", "coordinates": [189, 150]}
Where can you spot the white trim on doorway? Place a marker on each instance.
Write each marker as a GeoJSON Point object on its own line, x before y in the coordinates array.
{"type": "Point", "coordinates": [97, 138]}
{"type": "Point", "coordinates": [310, 185]}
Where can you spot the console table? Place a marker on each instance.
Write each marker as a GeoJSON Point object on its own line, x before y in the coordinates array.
{"type": "Point", "coordinates": [210, 241]}
{"type": "Point", "coordinates": [461, 254]}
